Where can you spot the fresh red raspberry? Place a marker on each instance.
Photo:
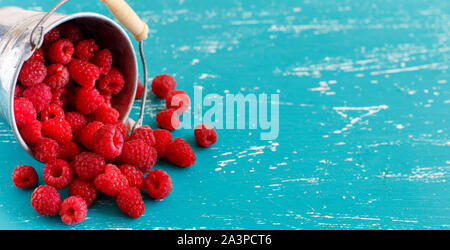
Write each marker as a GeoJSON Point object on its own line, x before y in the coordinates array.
{"type": "Point", "coordinates": [88, 165]}
{"type": "Point", "coordinates": [85, 49]}
{"type": "Point", "coordinates": [112, 182]}
{"type": "Point", "coordinates": [73, 210]}
{"type": "Point", "coordinates": [103, 59]}
{"type": "Point", "coordinates": [134, 176]}
{"type": "Point", "coordinates": [180, 153]}
{"type": "Point", "coordinates": [76, 120]}
{"type": "Point", "coordinates": [24, 111]}
{"type": "Point", "coordinates": [139, 154]}
{"type": "Point", "coordinates": [40, 95]}
{"type": "Point", "coordinates": [68, 151]}
{"type": "Point", "coordinates": [85, 189]}
{"type": "Point", "coordinates": [112, 82]}
{"type": "Point", "coordinates": [32, 72]}
{"type": "Point", "coordinates": [24, 177]}
{"type": "Point", "coordinates": [57, 129]}
{"type": "Point", "coordinates": [162, 140]}
{"type": "Point", "coordinates": [18, 91]}
{"type": "Point", "coordinates": [107, 98]}
{"type": "Point", "coordinates": [123, 129]}
{"type": "Point", "coordinates": [178, 100]}
{"type": "Point", "coordinates": [58, 174]}
{"type": "Point", "coordinates": [52, 36]}
{"type": "Point", "coordinates": [31, 132]}
{"type": "Point", "coordinates": [131, 203]}
{"type": "Point", "coordinates": [162, 85]}
{"type": "Point", "coordinates": [46, 150]}
{"type": "Point", "coordinates": [86, 134]}
{"type": "Point", "coordinates": [88, 100]}
{"type": "Point", "coordinates": [205, 135]}
{"type": "Point", "coordinates": [59, 97]}
{"type": "Point", "coordinates": [38, 55]}
{"type": "Point", "coordinates": [106, 114]}
{"type": "Point", "coordinates": [46, 200]}
{"type": "Point", "coordinates": [61, 51]}
{"type": "Point", "coordinates": [84, 73]}
{"type": "Point", "coordinates": [57, 76]}
{"type": "Point", "coordinates": [53, 111]}
{"type": "Point", "coordinates": [145, 133]}
{"type": "Point", "coordinates": [139, 90]}
{"type": "Point", "coordinates": [167, 119]}
{"type": "Point", "coordinates": [158, 184]}
{"type": "Point", "coordinates": [108, 141]}
{"type": "Point", "coordinates": [71, 32]}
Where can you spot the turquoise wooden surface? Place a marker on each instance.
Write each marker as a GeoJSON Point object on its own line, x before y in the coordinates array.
{"type": "Point", "coordinates": [364, 99]}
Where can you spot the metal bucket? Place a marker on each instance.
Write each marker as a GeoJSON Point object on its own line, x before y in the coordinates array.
{"type": "Point", "coordinates": [16, 26]}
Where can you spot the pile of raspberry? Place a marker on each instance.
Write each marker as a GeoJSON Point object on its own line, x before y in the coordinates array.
{"type": "Point", "coordinates": [63, 110]}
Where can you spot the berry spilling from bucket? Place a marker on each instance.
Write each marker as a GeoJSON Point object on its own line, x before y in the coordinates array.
{"type": "Point", "coordinates": [64, 112]}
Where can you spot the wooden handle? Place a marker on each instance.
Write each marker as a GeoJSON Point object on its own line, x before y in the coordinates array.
{"type": "Point", "coordinates": [128, 18]}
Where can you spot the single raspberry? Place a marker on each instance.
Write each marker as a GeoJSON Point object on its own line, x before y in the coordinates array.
{"type": "Point", "coordinates": [108, 141]}
{"type": "Point", "coordinates": [131, 203]}
{"type": "Point", "coordinates": [85, 49]}
{"type": "Point", "coordinates": [40, 95]}
{"type": "Point", "coordinates": [61, 51]}
{"type": "Point", "coordinates": [31, 132]}
{"type": "Point", "coordinates": [88, 165]}
{"type": "Point", "coordinates": [46, 150]}
{"type": "Point", "coordinates": [58, 174]}
{"type": "Point", "coordinates": [88, 100]}
{"type": "Point", "coordinates": [162, 85]}
{"type": "Point", "coordinates": [59, 97]}
{"type": "Point", "coordinates": [158, 184]}
{"type": "Point", "coordinates": [112, 82]}
{"type": "Point", "coordinates": [24, 111]}
{"type": "Point", "coordinates": [112, 182]}
{"type": "Point", "coordinates": [134, 176]}
{"type": "Point", "coordinates": [37, 55]}
{"type": "Point", "coordinates": [52, 111]}
{"type": "Point", "coordinates": [178, 100]}
{"type": "Point", "coordinates": [145, 133]}
{"type": "Point", "coordinates": [84, 73]}
{"type": "Point", "coordinates": [68, 151]}
{"type": "Point", "coordinates": [139, 154]}
{"type": "Point", "coordinates": [205, 135]}
{"type": "Point", "coordinates": [180, 153]}
{"type": "Point", "coordinates": [85, 189]}
{"type": "Point", "coordinates": [139, 90]}
{"type": "Point", "coordinates": [52, 36]}
{"type": "Point", "coordinates": [106, 114]}
{"type": "Point", "coordinates": [18, 90]}
{"type": "Point", "coordinates": [24, 177]}
{"type": "Point", "coordinates": [57, 76]}
{"type": "Point", "coordinates": [123, 129]}
{"type": "Point", "coordinates": [167, 119]}
{"type": "Point", "coordinates": [46, 200]}
{"type": "Point", "coordinates": [73, 210]}
{"type": "Point", "coordinates": [86, 134]}
{"type": "Point", "coordinates": [32, 72]}
{"type": "Point", "coordinates": [71, 32]}
{"type": "Point", "coordinates": [76, 120]}
{"type": "Point", "coordinates": [103, 59]}
{"type": "Point", "coordinates": [57, 129]}
{"type": "Point", "coordinates": [162, 140]}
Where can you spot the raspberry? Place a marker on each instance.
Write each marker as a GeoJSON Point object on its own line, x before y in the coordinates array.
{"type": "Point", "coordinates": [158, 184]}
{"type": "Point", "coordinates": [145, 133]}
{"type": "Point", "coordinates": [107, 98]}
{"type": "Point", "coordinates": [57, 129]}
{"type": "Point", "coordinates": [108, 141]}
{"type": "Point", "coordinates": [85, 189]}
{"type": "Point", "coordinates": [53, 111]}
{"type": "Point", "coordinates": [139, 90]}
{"type": "Point", "coordinates": [31, 132]}
{"type": "Point", "coordinates": [68, 150]}
{"type": "Point", "coordinates": [205, 135]}
{"type": "Point", "coordinates": [37, 55]}
{"type": "Point", "coordinates": [131, 203]}
{"type": "Point", "coordinates": [46, 200]}
{"type": "Point", "coordinates": [52, 36]}
{"type": "Point", "coordinates": [106, 114]}
{"type": "Point", "coordinates": [88, 100]}
{"type": "Point", "coordinates": [168, 119]}
{"type": "Point", "coordinates": [40, 95]}
{"type": "Point", "coordinates": [178, 100]}
{"type": "Point", "coordinates": [61, 51]}
{"type": "Point", "coordinates": [84, 73]}
{"type": "Point", "coordinates": [162, 85]}
{"type": "Point", "coordinates": [123, 129]}
{"type": "Point", "coordinates": [46, 150]}
{"type": "Point", "coordinates": [85, 49]}
{"type": "Point", "coordinates": [57, 76]}
{"type": "Point", "coordinates": [58, 174]}
{"type": "Point", "coordinates": [76, 121]}
{"type": "Point", "coordinates": [103, 59]}
{"type": "Point", "coordinates": [24, 177]}
{"type": "Point", "coordinates": [88, 165]}
{"type": "Point", "coordinates": [32, 72]}
{"type": "Point", "coordinates": [180, 153]}
{"type": "Point", "coordinates": [24, 111]}
{"type": "Point", "coordinates": [73, 210]}
{"type": "Point", "coordinates": [112, 82]}
{"type": "Point", "coordinates": [18, 90]}
{"type": "Point", "coordinates": [162, 140]}
{"type": "Point", "coordinates": [139, 154]}
{"type": "Point", "coordinates": [71, 32]}
{"type": "Point", "coordinates": [112, 182]}
{"type": "Point", "coordinates": [59, 97]}
{"type": "Point", "coordinates": [134, 176]}
{"type": "Point", "coordinates": [86, 134]}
